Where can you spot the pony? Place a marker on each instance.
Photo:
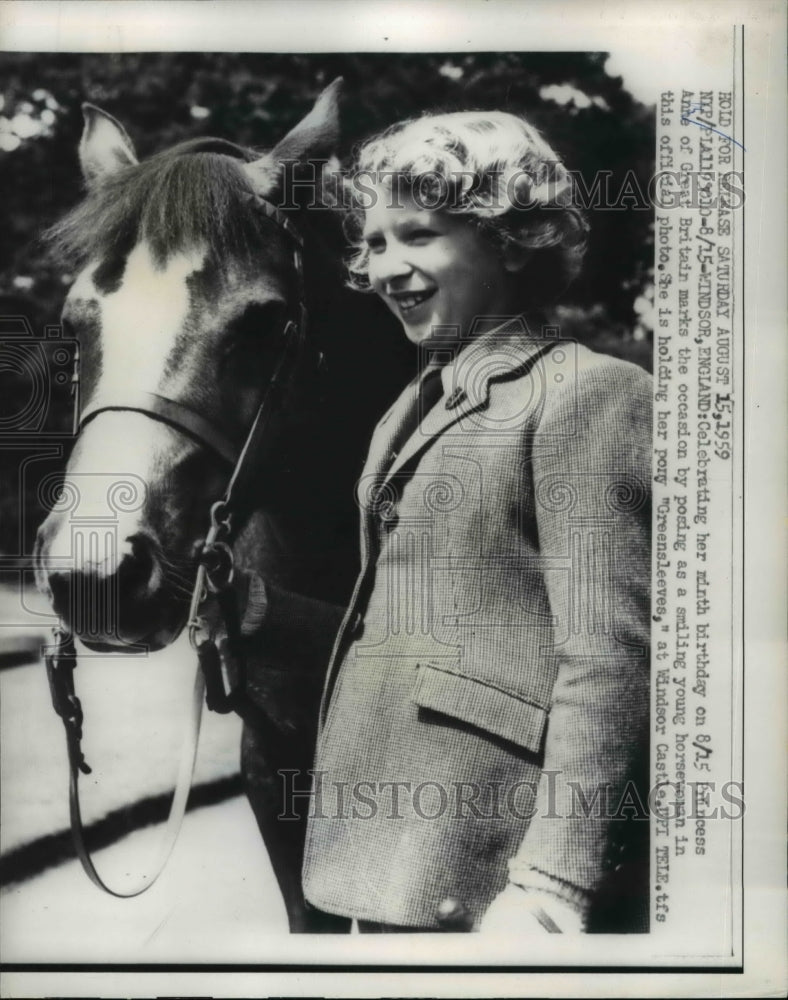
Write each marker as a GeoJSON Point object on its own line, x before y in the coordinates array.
{"type": "Point", "coordinates": [183, 291]}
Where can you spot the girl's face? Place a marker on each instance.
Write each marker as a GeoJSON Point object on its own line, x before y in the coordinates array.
{"type": "Point", "coordinates": [433, 269]}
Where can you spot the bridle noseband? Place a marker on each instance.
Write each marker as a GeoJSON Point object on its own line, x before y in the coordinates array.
{"type": "Point", "coordinates": [215, 569]}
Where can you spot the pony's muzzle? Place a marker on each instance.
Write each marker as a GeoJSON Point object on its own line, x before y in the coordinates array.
{"type": "Point", "coordinates": [103, 589]}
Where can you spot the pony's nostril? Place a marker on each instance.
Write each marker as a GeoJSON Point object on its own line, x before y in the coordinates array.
{"type": "Point", "coordinates": [108, 608]}
{"type": "Point", "coordinates": [138, 569]}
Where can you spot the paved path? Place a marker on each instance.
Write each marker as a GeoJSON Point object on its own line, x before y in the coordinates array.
{"type": "Point", "coordinates": [217, 900]}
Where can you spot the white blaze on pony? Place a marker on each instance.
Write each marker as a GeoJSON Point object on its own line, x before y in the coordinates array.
{"type": "Point", "coordinates": [140, 324]}
{"type": "Point", "coordinates": [142, 318]}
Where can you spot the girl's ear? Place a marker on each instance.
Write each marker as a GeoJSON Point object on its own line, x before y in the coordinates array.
{"type": "Point", "coordinates": [515, 258]}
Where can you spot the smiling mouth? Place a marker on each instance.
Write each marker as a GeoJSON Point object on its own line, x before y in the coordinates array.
{"type": "Point", "coordinates": [408, 301]}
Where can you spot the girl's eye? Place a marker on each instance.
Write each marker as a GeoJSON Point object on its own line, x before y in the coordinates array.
{"type": "Point", "coordinates": [420, 236]}
{"type": "Point", "coordinates": [375, 244]}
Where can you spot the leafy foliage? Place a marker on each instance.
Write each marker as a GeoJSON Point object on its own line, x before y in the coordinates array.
{"type": "Point", "coordinates": [253, 99]}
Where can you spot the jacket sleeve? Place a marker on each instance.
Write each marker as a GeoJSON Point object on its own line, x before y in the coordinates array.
{"type": "Point", "coordinates": [592, 473]}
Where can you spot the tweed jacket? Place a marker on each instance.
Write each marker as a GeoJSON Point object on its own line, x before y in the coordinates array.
{"type": "Point", "coordinates": [491, 673]}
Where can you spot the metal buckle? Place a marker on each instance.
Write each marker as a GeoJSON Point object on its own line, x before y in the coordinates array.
{"type": "Point", "coordinates": [60, 664]}
{"type": "Point", "coordinates": [219, 566]}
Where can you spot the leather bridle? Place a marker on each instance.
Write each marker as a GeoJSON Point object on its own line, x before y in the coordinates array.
{"type": "Point", "coordinates": [214, 573]}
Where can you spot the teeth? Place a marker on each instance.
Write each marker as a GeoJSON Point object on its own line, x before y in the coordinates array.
{"type": "Point", "coordinates": [409, 301]}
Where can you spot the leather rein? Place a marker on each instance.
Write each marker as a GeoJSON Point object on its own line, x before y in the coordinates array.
{"type": "Point", "coordinates": [220, 677]}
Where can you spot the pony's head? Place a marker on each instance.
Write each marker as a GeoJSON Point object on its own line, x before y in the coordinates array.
{"type": "Point", "coordinates": [183, 294]}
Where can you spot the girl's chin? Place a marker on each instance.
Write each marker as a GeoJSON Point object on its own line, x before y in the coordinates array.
{"type": "Point", "coordinates": [418, 330]}
{"type": "Point", "coordinates": [417, 334]}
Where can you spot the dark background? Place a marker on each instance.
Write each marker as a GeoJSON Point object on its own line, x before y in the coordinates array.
{"type": "Point", "coordinates": [588, 117]}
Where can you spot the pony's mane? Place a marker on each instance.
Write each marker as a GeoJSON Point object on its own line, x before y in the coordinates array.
{"type": "Point", "coordinates": [194, 192]}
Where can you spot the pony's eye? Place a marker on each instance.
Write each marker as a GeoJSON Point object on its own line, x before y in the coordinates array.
{"type": "Point", "coordinates": [255, 325]}
{"type": "Point", "coordinates": [252, 343]}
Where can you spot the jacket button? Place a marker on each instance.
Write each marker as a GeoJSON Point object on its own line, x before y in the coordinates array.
{"type": "Point", "coordinates": [452, 915]}
{"type": "Point", "coordinates": [387, 512]}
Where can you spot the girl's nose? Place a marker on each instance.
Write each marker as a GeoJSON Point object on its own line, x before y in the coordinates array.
{"type": "Point", "coordinates": [390, 267]}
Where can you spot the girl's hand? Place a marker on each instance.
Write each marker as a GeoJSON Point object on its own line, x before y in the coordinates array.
{"type": "Point", "coordinates": [248, 592]}
{"type": "Point", "coordinates": [524, 912]}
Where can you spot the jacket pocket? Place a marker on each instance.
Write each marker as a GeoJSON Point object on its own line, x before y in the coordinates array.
{"type": "Point", "coordinates": [499, 712]}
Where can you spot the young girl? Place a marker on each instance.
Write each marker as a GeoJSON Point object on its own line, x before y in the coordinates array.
{"type": "Point", "coordinates": [487, 693]}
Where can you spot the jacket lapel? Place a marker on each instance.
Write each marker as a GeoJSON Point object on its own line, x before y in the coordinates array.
{"type": "Point", "coordinates": [388, 430]}
{"type": "Point", "coordinates": [436, 422]}
{"type": "Point", "coordinates": [379, 457]}
{"type": "Point", "coordinates": [497, 356]}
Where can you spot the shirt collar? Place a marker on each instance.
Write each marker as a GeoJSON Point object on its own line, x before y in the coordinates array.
{"type": "Point", "coordinates": [486, 358]}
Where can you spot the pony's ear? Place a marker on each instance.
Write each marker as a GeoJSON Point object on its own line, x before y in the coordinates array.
{"type": "Point", "coordinates": [104, 147]}
{"type": "Point", "coordinates": [315, 137]}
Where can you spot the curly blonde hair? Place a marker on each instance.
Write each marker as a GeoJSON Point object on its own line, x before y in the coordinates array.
{"type": "Point", "coordinates": [490, 166]}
